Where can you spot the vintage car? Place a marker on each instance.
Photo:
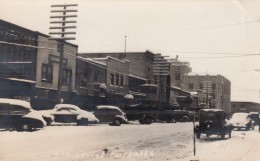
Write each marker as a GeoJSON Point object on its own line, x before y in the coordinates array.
{"type": "Point", "coordinates": [241, 120]}
{"type": "Point", "coordinates": [18, 114]}
{"type": "Point", "coordinates": [70, 114]}
{"type": "Point", "coordinates": [213, 122]}
{"type": "Point", "coordinates": [254, 116]}
{"type": "Point", "coordinates": [110, 114]}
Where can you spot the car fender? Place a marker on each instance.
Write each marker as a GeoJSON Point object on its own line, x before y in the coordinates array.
{"type": "Point", "coordinates": [121, 118]}
{"type": "Point", "coordinates": [88, 115]}
{"type": "Point", "coordinates": [34, 115]}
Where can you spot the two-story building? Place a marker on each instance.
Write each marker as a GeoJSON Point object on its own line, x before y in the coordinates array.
{"type": "Point", "coordinates": [101, 81]}
{"type": "Point", "coordinates": [29, 66]}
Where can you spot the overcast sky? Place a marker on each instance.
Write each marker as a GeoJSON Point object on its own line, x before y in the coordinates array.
{"type": "Point", "coordinates": [215, 36]}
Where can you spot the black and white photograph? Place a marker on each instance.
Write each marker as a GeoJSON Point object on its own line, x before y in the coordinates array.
{"type": "Point", "coordinates": [128, 80]}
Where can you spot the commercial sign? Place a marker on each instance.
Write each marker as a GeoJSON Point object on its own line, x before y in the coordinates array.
{"type": "Point", "coordinates": [15, 69]}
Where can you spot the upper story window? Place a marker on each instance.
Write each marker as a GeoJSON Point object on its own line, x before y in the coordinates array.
{"type": "Point", "coordinates": [47, 72]}
{"type": "Point", "coordinates": [117, 79]}
{"type": "Point", "coordinates": [191, 86]}
{"type": "Point", "coordinates": [66, 76]}
{"type": "Point", "coordinates": [177, 76]}
{"type": "Point", "coordinates": [121, 81]}
{"type": "Point", "coordinates": [112, 79]}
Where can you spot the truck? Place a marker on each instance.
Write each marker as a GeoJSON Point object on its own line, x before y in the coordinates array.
{"type": "Point", "coordinates": [149, 114]}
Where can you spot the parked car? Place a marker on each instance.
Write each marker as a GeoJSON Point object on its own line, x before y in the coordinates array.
{"type": "Point", "coordinates": [213, 122]}
{"type": "Point", "coordinates": [241, 120]}
{"type": "Point", "coordinates": [18, 114]}
{"type": "Point", "coordinates": [68, 113]}
{"type": "Point", "coordinates": [110, 114]}
{"type": "Point", "coordinates": [254, 116]}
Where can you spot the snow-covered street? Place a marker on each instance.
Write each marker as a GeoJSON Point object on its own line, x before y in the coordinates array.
{"type": "Point", "coordinates": [159, 141]}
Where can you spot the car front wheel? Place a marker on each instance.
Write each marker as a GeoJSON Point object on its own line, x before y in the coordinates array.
{"type": "Point", "coordinates": [25, 126]}
{"type": "Point", "coordinates": [222, 135]}
{"type": "Point", "coordinates": [198, 135]}
{"type": "Point", "coordinates": [117, 122]}
{"type": "Point", "coordinates": [82, 122]}
{"type": "Point", "coordinates": [229, 134]}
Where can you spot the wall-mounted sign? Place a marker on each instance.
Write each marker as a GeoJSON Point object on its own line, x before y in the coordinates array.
{"type": "Point", "coordinates": [56, 59]}
{"type": "Point", "coordinates": [15, 69]}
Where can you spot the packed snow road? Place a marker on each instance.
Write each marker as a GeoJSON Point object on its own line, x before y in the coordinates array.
{"type": "Point", "coordinates": [159, 141]}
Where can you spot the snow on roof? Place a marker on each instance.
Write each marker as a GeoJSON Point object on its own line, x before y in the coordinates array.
{"type": "Point", "coordinates": [16, 102]}
{"type": "Point", "coordinates": [211, 110]}
{"type": "Point", "coordinates": [57, 106]}
{"type": "Point", "coordinates": [108, 107]}
{"type": "Point", "coordinates": [91, 60]}
{"type": "Point", "coordinates": [131, 75]}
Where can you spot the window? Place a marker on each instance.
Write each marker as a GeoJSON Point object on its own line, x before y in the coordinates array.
{"type": "Point", "coordinates": [83, 81]}
{"type": "Point", "coordinates": [214, 86]}
{"type": "Point", "coordinates": [66, 76]}
{"type": "Point", "coordinates": [47, 71]}
{"type": "Point", "coordinates": [201, 86]}
{"type": "Point", "coordinates": [112, 79]}
{"type": "Point", "coordinates": [117, 80]}
{"type": "Point", "coordinates": [177, 76]}
{"type": "Point", "coordinates": [97, 77]}
{"type": "Point", "coordinates": [191, 85]}
{"type": "Point", "coordinates": [121, 81]}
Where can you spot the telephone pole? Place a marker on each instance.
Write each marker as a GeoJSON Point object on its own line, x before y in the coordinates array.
{"type": "Point", "coordinates": [61, 18]}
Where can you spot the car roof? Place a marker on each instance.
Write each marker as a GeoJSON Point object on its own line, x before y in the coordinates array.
{"type": "Point", "coordinates": [211, 110]}
{"type": "Point", "coordinates": [108, 107]}
{"type": "Point", "coordinates": [240, 113]}
{"type": "Point", "coordinates": [57, 106]}
{"type": "Point", "coordinates": [17, 102]}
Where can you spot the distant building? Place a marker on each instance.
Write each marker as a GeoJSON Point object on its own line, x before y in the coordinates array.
{"type": "Point", "coordinates": [177, 71]}
{"type": "Point", "coordinates": [216, 89]}
{"type": "Point", "coordinates": [140, 73]}
{"type": "Point", "coordinates": [239, 106]}
{"type": "Point", "coordinates": [101, 81]}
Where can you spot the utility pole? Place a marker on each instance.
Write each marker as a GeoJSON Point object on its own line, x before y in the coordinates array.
{"type": "Point", "coordinates": [62, 14]}
{"type": "Point", "coordinates": [125, 47]}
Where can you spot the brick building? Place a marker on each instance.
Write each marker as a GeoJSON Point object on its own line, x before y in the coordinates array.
{"type": "Point", "coordinates": [216, 88]}
{"type": "Point", "coordinates": [101, 81]}
{"type": "Point", "coordinates": [177, 71]}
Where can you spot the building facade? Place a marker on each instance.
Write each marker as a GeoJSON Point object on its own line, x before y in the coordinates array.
{"type": "Point", "coordinates": [238, 106]}
{"type": "Point", "coordinates": [29, 66]}
{"type": "Point", "coordinates": [18, 57]}
{"type": "Point", "coordinates": [47, 72]}
{"type": "Point", "coordinates": [177, 71]}
{"type": "Point", "coordinates": [101, 81]}
{"type": "Point", "coordinates": [216, 88]}
{"type": "Point", "coordinates": [140, 72]}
